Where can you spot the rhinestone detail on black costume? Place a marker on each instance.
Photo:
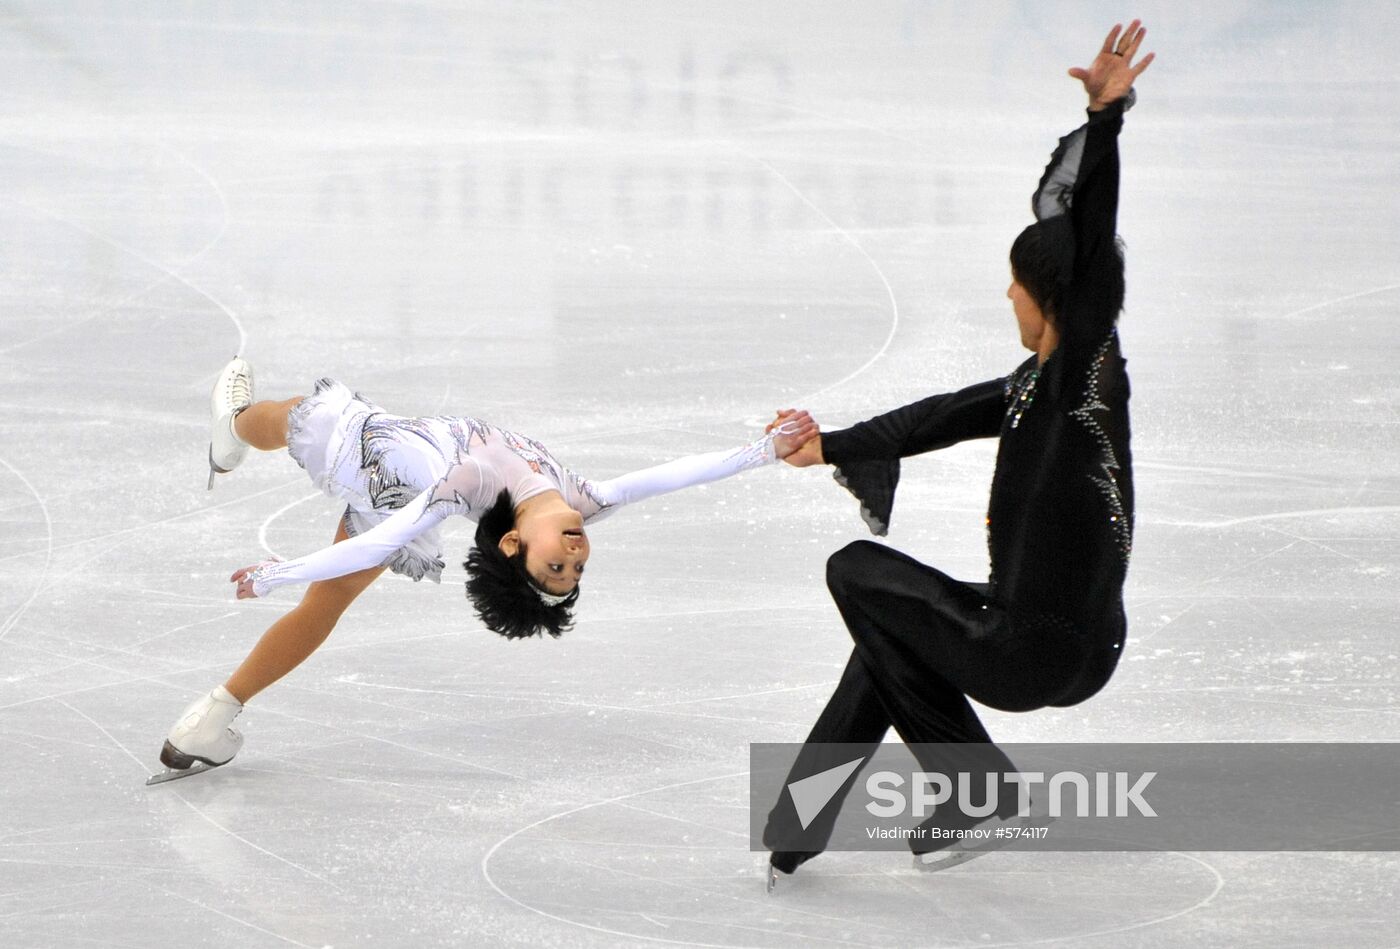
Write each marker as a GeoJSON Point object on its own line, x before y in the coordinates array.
{"type": "Point", "coordinates": [1089, 413]}
{"type": "Point", "coordinates": [1020, 393]}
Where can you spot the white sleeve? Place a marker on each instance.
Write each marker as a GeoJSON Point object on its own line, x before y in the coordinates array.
{"type": "Point", "coordinates": [375, 546]}
{"type": "Point", "coordinates": [683, 473]}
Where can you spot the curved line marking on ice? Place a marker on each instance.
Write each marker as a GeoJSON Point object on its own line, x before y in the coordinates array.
{"type": "Point", "coordinates": [137, 294]}
{"type": "Point", "coordinates": [850, 239]}
{"type": "Point", "coordinates": [149, 262]}
{"type": "Point", "coordinates": [240, 921]}
{"type": "Point", "coordinates": [262, 528]}
{"type": "Point", "coordinates": [486, 872]}
{"type": "Point", "coordinates": [165, 520]}
{"type": "Point", "coordinates": [13, 618]}
{"type": "Point", "coordinates": [486, 860]}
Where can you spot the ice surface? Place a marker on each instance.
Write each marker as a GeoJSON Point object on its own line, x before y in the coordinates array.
{"type": "Point", "coordinates": [633, 230]}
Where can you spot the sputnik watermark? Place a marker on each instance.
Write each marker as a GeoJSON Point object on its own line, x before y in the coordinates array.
{"type": "Point", "coordinates": [1249, 796]}
{"type": "Point", "coordinates": [1112, 794]}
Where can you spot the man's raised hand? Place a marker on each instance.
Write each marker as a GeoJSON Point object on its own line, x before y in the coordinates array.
{"type": "Point", "coordinates": [1109, 77]}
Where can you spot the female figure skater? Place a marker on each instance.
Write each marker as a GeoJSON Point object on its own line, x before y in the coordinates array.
{"type": "Point", "coordinates": [400, 478]}
{"type": "Point", "coordinates": [1048, 626]}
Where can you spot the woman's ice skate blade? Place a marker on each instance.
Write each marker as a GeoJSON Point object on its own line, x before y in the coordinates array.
{"type": "Point", "coordinates": [201, 737]}
{"type": "Point", "coordinates": [178, 765]}
{"type": "Point", "coordinates": [232, 393]}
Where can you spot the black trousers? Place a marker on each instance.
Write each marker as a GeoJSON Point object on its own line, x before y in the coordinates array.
{"type": "Point", "coordinates": [924, 644]}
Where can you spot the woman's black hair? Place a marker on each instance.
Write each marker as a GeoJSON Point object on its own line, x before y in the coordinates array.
{"type": "Point", "coordinates": [500, 587]}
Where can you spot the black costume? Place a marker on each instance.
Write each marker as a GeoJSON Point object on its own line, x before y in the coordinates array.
{"type": "Point", "coordinates": [1048, 627]}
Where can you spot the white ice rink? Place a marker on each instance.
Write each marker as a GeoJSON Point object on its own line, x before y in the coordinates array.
{"type": "Point", "coordinates": [633, 230]}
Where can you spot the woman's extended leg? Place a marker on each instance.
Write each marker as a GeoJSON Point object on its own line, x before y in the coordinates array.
{"type": "Point", "coordinates": [288, 642]}
{"type": "Point", "coordinates": [202, 732]}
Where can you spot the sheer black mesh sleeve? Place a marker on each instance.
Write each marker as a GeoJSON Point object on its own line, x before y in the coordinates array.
{"type": "Point", "coordinates": [872, 483]}
{"type": "Point", "coordinates": [1077, 199]}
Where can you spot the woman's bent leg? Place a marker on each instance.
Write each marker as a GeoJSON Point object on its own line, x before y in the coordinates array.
{"type": "Point", "coordinates": [263, 425]}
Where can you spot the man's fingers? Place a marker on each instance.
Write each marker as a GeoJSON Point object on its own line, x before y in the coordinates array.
{"type": "Point", "coordinates": [1146, 61]}
{"type": "Point", "coordinates": [1125, 44]}
{"type": "Point", "coordinates": [1112, 38]}
{"type": "Point", "coordinates": [1135, 40]}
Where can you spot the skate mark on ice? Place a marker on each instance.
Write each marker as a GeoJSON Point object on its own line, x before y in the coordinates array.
{"type": "Point", "coordinates": [193, 807]}
{"type": "Point", "coordinates": [220, 665]}
{"type": "Point", "coordinates": [110, 737]}
{"type": "Point", "coordinates": [850, 239]}
{"type": "Point", "coordinates": [374, 785]}
{"type": "Point", "coordinates": [236, 919]}
{"type": "Point", "coordinates": [248, 843]}
{"type": "Point", "coordinates": [882, 935]}
{"type": "Point", "coordinates": [143, 258]}
{"type": "Point", "coordinates": [178, 629]}
{"type": "Point", "coordinates": [1216, 883]}
{"type": "Point", "coordinates": [556, 704]}
{"type": "Point", "coordinates": [682, 820]}
{"type": "Point", "coordinates": [756, 900]}
{"type": "Point", "coordinates": [262, 528]}
{"type": "Point", "coordinates": [1255, 474]}
{"type": "Point", "coordinates": [14, 617]}
{"type": "Point", "coordinates": [1342, 299]}
{"type": "Point", "coordinates": [1142, 924]}
{"type": "Point", "coordinates": [351, 735]}
{"type": "Point", "coordinates": [161, 522]}
{"type": "Point", "coordinates": [135, 294]}
{"type": "Point", "coordinates": [486, 859]}
{"type": "Point", "coordinates": [658, 706]}
{"type": "Point", "coordinates": [1285, 516]}
{"type": "Point", "coordinates": [108, 650]}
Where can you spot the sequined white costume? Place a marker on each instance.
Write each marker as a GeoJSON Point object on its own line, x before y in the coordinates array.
{"type": "Point", "coordinates": [402, 477]}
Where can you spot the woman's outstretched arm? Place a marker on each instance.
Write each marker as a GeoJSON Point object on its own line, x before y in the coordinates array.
{"type": "Point", "coordinates": [693, 470]}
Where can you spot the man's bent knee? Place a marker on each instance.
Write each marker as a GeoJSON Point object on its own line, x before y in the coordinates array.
{"type": "Point", "coordinates": [847, 563]}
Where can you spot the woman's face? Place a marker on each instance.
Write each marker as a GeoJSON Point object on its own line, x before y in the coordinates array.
{"type": "Point", "coordinates": [1029, 317]}
{"type": "Point", "coordinates": [556, 549]}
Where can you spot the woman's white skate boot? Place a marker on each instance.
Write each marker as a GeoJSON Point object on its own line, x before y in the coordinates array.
{"type": "Point", "coordinates": [202, 737]}
{"type": "Point", "coordinates": [233, 392]}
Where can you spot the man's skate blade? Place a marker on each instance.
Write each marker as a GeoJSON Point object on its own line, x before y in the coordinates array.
{"type": "Point", "coordinates": [947, 861]}
{"type": "Point", "coordinates": [772, 882]}
{"type": "Point", "coordinates": [956, 856]}
{"type": "Point", "coordinates": [175, 774]}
